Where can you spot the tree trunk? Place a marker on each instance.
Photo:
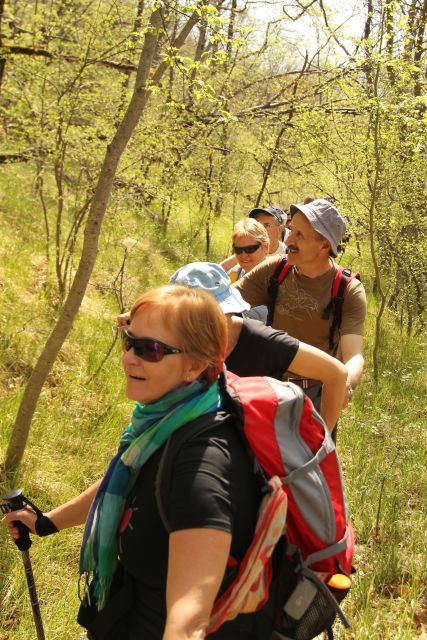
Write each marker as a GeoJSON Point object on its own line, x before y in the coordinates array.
{"type": "Point", "coordinates": [268, 168]}
{"type": "Point", "coordinates": [378, 277]}
{"type": "Point", "coordinates": [2, 59]}
{"type": "Point", "coordinates": [275, 152]}
{"type": "Point", "coordinates": [93, 226]}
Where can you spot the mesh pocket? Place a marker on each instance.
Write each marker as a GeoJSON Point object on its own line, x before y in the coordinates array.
{"type": "Point", "coordinates": [319, 616]}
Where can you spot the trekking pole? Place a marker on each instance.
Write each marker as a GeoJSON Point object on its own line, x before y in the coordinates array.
{"type": "Point", "coordinates": [16, 500]}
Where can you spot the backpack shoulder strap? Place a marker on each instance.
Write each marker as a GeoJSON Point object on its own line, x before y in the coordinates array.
{"type": "Point", "coordinates": [196, 427]}
{"type": "Point", "coordinates": [234, 405]}
{"type": "Point", "coordinates": [236, 275]}
{"type": "Point", "coordinates": [339, 287]}
{"type": "Point", "coordinates": [341, 279]}
{"type": "Point", "coordinates": [279, 274]}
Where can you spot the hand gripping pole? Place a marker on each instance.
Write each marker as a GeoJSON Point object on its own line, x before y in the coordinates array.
{"type": "Point", "coordinates": [14, 501]}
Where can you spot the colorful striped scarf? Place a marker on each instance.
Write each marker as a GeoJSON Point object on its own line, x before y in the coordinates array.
{"type": "Point", "coordinates": [150, 427]}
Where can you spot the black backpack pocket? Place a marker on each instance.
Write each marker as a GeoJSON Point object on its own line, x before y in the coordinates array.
{"type": "Point", "coordinates": [304, 604]}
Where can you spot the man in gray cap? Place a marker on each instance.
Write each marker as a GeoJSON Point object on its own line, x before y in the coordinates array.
{"type": "Point", "coordinates": [256, 350]}
{"type": "Point", "coordinates": [303, 296]}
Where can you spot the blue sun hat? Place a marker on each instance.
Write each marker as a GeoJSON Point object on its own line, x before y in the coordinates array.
{"type": "Point", "coordinates": [212, 278]}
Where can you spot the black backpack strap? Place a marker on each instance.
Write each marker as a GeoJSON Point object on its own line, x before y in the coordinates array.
{"type": "Point", "coordinates": [342, 278]}
{"type": "Point", "coordinates": [203, 423]}
{"type": "Point", "coordinates": [279, 274]}
{"type": "Point", "coordinates": [232, 411]}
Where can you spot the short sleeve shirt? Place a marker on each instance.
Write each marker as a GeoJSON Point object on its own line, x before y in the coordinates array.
{"type": "Point", "coordinates": [212, 485]}
{"type": "Point", "coordinates": [236, 273]}
{"type": "Point", "coordinates": [262, 351]}
{"type": "Point", "coordinates": [301, 302]}
{"type": "Point", "coordinates": [280, 251]}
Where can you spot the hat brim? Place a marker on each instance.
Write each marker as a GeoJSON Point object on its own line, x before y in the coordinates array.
{"type": "Point", "coordinates": [293, 208]}
{"type": "Point", "coordinates": [255, 212]}
{"type": "Point", "coordinates": [233, 302]}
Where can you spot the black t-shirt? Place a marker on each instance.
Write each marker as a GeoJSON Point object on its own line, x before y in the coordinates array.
{"type": "Point", "coordinates": [262, 351]}
{"type": "Point", "coordinates": [213, 485]}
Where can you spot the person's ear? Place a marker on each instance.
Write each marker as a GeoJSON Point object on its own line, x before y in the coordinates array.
{"type": "Point", "coordinates": [194, 369]}
{"type": "Point", "coordinates": [326, 245]}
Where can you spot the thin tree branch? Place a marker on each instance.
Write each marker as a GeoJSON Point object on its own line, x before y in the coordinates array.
{"type": "Point", "coordinates": [44, 53]}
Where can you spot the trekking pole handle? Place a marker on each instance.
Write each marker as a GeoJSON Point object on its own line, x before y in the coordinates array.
{"type": "Point", "coordinates": [15, 500]}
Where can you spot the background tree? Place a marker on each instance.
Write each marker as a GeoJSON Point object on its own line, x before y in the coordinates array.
{"type": "Point", "coordinates": [244, 117]}
{"type": "Point", "coordinates": [263, 102]}
{"type": "Point", "coordinates": [115, 149]}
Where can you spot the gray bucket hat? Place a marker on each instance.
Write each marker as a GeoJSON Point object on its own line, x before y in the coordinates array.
{"type": "Point", "coordinates": [211, 278]}
{"type": "Point", "coordinates": [325, 219]}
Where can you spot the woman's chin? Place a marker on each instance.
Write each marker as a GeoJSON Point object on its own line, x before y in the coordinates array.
{"type": "Point", "coordinates": [138, 392]}
{"type": "Point", "coordinates": [135, 390]}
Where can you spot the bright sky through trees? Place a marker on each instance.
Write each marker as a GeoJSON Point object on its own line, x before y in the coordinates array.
{"type": "Point", "coordinates": [307, 30]}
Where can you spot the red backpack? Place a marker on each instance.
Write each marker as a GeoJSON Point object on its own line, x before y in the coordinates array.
{"type": "Point", "coordinates": [287, 439]}
{"type": "Point", "coordinates": [339, 287]}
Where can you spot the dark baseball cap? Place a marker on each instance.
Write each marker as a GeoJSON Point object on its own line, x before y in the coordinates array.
{"type": "Point", "coordinates": [272, 210]}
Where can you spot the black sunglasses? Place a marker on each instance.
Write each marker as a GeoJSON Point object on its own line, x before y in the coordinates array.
{"type": "Point", "coordinates": [251, 248]}
{"type": "Point", "coordinates": [147, 348]}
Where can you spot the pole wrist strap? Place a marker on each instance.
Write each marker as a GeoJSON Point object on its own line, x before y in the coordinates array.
{"type": "Point", "coordinates": [44, 526]}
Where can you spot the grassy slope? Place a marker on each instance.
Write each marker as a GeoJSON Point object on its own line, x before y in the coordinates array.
{"type": "Point", "coordinates": [77, 424]}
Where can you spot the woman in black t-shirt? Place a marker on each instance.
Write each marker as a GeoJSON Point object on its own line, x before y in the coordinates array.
{"type": "Point", "coordinates": [142, 580]}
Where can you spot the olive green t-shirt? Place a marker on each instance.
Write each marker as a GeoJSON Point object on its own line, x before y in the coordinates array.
{"type": "Point", "coordinates": [301, 302]}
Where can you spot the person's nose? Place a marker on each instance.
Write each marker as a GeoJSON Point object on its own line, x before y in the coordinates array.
{"type": "Point", "coordinates": [130, 357]}
{"type": "Point", "coordinates": [289, 239]}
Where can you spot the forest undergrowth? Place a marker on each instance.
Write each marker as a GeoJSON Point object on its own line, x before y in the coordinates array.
{"type": "Point", "coordinates": [82, 411]}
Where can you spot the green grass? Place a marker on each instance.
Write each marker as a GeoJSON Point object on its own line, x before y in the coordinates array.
{"type": "Point", "coordinates": [79, 418]}
{"type": "Point", "coordinates": [382, 441]}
